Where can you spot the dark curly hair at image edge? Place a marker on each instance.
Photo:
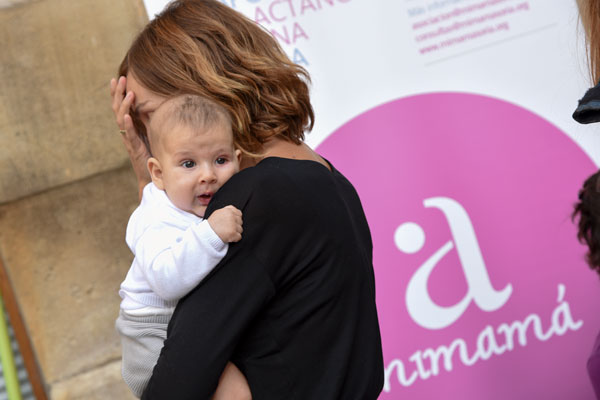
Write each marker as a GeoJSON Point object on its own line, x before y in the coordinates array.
{"type": "Point", "coordinates": [587, 214]}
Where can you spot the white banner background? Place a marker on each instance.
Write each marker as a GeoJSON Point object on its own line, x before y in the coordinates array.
{"type": "Point", "coordinates": [362, 53]}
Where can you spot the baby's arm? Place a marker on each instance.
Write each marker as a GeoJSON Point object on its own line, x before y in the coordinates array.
{"type": "Point", "coordinates": [174, 262]}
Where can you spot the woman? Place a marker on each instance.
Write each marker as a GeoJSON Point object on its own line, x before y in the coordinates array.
{"type": "Point", "coordinates": [292, 305]}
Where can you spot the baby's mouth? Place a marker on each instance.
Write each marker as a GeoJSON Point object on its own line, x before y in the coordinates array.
{"type": "Point", "coordinates": [204, 198]}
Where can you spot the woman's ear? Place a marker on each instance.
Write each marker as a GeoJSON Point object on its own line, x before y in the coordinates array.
{"type": "Point", "coordinates": [156, 172]}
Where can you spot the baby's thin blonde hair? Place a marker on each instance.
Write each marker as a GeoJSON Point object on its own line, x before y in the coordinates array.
{"type": "Point", "coordinates": [187, 110]}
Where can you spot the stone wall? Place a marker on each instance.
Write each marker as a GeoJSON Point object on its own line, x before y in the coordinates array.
{"type": "Point", "coordinates": [66, 188]}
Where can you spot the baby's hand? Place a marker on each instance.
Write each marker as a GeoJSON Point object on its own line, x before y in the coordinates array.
{"type": "Point", "coordinates": [227, 224]}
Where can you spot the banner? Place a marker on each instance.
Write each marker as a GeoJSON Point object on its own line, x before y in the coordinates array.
{"type": "Point", "coordinates": [452, 118]}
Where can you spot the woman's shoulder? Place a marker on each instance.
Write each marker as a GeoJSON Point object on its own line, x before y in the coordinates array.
{"type": "Point", "coordinates": [291, 174]}
{"type": "Point", "coordinates": [252, 180]}
{"type": "Point", "coordinates": [270, 177]}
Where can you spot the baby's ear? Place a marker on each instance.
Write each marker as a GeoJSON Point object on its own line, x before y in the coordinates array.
{"type": "Point", "coordinates": [238, 155]}
{"type": "Point", "coordinates": [156, 172]}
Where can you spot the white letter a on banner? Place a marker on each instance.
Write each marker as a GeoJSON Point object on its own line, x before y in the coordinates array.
{"type": "Point", "coordinates": [423, 310]}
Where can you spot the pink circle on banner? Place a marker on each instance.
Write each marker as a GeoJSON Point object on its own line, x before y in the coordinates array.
{"type": "Point", "coordinates": [482, 290]}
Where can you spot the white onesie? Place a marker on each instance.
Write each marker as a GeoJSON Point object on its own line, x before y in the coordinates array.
{"type": "Point", "coordinates": [173, 251]}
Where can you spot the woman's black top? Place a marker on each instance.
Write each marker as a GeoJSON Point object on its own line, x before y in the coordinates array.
{"type": "Point", "coordinates": [292, 304]}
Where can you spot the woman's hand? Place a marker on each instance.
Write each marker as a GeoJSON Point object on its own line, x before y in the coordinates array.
{"type": "Point", "coordinates": [138, 153]}
{"type": "Point", "coordinates": [232, 385]}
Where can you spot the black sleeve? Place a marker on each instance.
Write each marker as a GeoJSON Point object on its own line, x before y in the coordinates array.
{"type": "Point", "coordinates": [208, 322]}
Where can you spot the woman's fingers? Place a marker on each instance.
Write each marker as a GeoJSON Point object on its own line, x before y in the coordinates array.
{"type": "Point", "coordinates": [113, 87]}
{"type": "Point", "coordinates": [132, 141]}
{"type": "Point", "coordinates": [138, 153]}
{"type": "Point", "coordinates": [117, 91]}
{"type": "Point", "coordinates": [128, 124]}
{"type": "Point", "coordinates": [124, 109]}
{"type": "Point", "coordinates": [128, 131]}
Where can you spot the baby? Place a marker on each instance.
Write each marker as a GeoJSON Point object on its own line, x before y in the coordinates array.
{"type": "Point", "coordinates": [193, 155]}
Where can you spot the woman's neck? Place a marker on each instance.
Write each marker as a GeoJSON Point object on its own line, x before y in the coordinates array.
{"type": "Point", "coordinates": [277, 147]}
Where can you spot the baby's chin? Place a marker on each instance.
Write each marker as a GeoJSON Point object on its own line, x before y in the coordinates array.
{"type": "Point", "coordinates": [199, 211]}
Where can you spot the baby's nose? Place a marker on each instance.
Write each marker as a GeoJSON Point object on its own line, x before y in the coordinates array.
{"type": "Point", "coordinates": [207, 175]}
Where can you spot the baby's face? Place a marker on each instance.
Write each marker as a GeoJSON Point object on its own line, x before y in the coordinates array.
{"type": "Point", "coordinates": [195, 163]}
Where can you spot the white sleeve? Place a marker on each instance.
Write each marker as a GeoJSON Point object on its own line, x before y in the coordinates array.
{"type": "Point", "coordinates": [174, 263]}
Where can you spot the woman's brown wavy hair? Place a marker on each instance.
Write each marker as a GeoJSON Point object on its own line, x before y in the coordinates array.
{"type": "Point", "coordinates": [589, 10]}
{"type": "Point", "coordinates": [587, 214]}
{"type": "Point", "coordinates": [205, 48]}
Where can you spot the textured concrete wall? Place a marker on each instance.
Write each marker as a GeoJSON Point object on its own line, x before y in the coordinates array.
{"type": "Point", "coordinates": [66, 189]}
{"type": "Point", "coordinates": [56, 60]}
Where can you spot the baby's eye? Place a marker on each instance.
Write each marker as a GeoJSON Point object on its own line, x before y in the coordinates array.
{"type": "Point", "coordinates": [188, 164]}
{"type": "Point", "coordinates": [221, 160]}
